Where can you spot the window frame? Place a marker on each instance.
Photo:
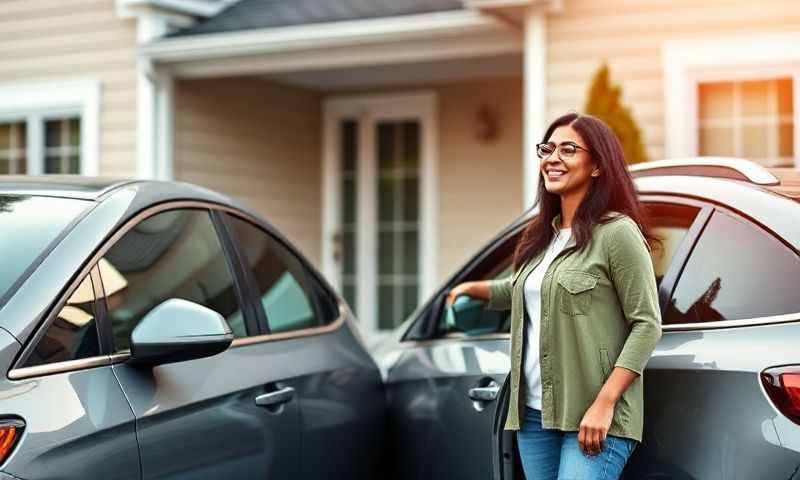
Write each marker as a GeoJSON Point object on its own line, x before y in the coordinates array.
{"type": "Point", "coordinates": [26, 103]}
{"type": "Point", "coordinates": [18, 371]}
{"type": "Point", "coordinates": [320, 291]}
{"type": "Point", "coordinates": [689, 62]}
{"type": "Point", "coordinates": [108, 357]}
{"type": "Point", "coordinates": [744, 322]}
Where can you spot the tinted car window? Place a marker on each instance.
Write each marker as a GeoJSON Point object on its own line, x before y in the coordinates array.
{"type": "Point", "coordinates": [174, 254]}
{"type": "Point", "coordinates": [287, 292]}
{"type": "Point", "coordinates": [669, 222]}
{"type": "Point", "coordinates": [73, 333]}
{"type": "Point", "coordinates": [736, 271]}
{"type": "Point", "coordinates": [28, 225]}
{"type": "Point", "coordinates": [498, 264]}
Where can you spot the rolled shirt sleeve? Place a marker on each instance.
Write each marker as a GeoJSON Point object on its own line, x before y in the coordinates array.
{"type": "Point", "coordinates": [500, 294]}
{"type": "Point", "coordinates": [631, 272]}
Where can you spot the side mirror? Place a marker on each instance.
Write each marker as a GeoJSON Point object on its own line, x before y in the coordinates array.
{"type": "Point", "coordinates": [179, 330]}
{"type": "Point", "coordinates": [469, 315]}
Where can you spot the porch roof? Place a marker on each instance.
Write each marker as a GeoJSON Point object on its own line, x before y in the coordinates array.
{"type": "Point", "coordinates": [261, 14]}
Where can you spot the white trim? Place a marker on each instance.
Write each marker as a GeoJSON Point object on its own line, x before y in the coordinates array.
{"type": "Point", "coordinates": [535, 102]}
{"type": "Point", "coordinates": [687, 62]}
{"type": "Point", "coordinates": [368, 109]}
{"type": "Point", "coordinates": [311, 36]}
{"type": "Point", "coordinates": [155, 122]}
{"type": "Point", "coordinates": [38, 101]}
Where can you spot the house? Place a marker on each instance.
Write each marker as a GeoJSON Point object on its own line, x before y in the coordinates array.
{"type": "Point", "coordinates": [387, 138]}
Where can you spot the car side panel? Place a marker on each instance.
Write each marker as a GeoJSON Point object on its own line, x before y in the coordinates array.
{"type": "Point", "coordinates": [342, 406]}
{"type": "Point", "coordinates": [199, 419]}
{"type": "Point", "coordinates": [437, 430]}
{"type": "Point", "coordinates": [74, 423]}
{"type": "Point", "coordinates": [706, 414]}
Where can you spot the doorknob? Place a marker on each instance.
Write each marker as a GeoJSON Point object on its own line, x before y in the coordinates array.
{"type": "Point", "coordinates": [277, 397]}
{"type": "Point", "coordinates": [485, 394]}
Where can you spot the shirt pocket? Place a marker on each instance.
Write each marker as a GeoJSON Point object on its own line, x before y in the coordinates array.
{"type": "Point", "coordinates": [575, 292]}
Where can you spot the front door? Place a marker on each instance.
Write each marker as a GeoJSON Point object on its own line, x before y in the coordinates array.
{"type": "Point", "coordinates": [378, 245]}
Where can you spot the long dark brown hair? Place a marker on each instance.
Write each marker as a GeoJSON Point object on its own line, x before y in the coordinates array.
{"type": "Point", "coordinates": [613, 190]}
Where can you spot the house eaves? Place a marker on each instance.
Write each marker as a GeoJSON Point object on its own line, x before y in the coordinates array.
{"type": "Point", "coordinates": [320, 36]}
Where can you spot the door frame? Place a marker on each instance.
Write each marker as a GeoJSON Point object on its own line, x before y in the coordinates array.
{"type": "Point", "coordinates": [368, 109]}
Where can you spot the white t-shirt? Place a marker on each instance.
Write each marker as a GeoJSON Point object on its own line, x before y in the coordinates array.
{"type": "Point", "coordinates": [532, 289]}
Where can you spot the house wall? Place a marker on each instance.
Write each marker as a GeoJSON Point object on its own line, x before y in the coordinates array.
{"type": "Point", "coordinates": [57, 40]}
{"type": "Point", "coordinates": [258, 142]}
{"type": "Point", "coordinates": [480, 182]}
{"type": "Point", "coordinates": [630, 34]}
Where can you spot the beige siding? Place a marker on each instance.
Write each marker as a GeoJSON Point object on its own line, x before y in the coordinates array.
{"type": "Point", "coordinates": [259, 143]}
{"type": "Point", "coordinates": [480, 183]}
{"type": "Point", "coordinates": [630, 35]}
{"type": "Point", "coordinates": [55, 40]}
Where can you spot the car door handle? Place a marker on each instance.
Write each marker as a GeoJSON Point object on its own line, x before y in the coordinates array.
{"type": "Point", "coordinates": [277, 397]}
{"type": "Point", "coordinates": [485, 394]}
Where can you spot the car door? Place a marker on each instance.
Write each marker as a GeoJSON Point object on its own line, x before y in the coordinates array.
{"type": "Point", "coordinates": [732, 312]}
{"type": "Point", "coordinates": [310, 343]}
{"type": "Point", "coordinates": [224, 416]}
{"type": "Point", "coordinates": [63, 389]}
{"type": "Point", "coordinates": [442, 390]}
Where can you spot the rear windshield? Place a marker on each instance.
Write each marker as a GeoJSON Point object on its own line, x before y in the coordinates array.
{"type": "Point", "coordinates": [28, 225]}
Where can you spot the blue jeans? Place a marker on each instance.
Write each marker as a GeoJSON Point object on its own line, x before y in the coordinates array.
{"type": "Point", "coordinates": [554, 454]}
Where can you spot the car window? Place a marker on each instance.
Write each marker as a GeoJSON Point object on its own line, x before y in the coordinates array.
{"type": "Point", "coordinates": [73, 333]}
{"type": "Point", "coordinates": [28, 226]}
{"type": "Point", "coordinates": [669, 222]}
{"type": "Point", "coordinates": [496, 265]}
{"type": "Point", "coordinates": [736, 271]}
{"type": "Point", "coordinates": [286, 291]}
{"type": "Point", "coordinates": [174, 254]}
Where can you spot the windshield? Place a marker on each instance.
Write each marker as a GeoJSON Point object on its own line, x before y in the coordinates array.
{"type": "Point", "coordinates": [28, 225]}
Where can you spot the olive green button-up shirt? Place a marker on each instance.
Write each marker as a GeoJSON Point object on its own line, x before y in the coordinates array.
{"type": "Point", "coordinates": [599, 310]}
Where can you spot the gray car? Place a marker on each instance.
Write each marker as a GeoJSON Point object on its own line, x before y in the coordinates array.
{"type": "Point", "coordinates": [722, 389]}
{"type": "Point", "coordinates": [158, 330]}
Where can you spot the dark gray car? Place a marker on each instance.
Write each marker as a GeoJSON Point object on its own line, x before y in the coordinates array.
{"type": "Point", "coordinates": [722, 389]}
{"type": "Point", "coordinates": [158, 330]}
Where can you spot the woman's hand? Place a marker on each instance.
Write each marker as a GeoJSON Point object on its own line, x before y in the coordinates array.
{"type": "Point", "coordinates": [479, 290]}
{"type": "Point", "coordinates": [595, 424]}
{"type": "Point", "coordinates": [460, 289]}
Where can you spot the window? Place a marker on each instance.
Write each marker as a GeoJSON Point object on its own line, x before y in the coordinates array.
{"type": "Point", "coordinates": [28, 226]}
{"type": "Point", "coordinates": [753, 119]}
{"type": "Point", "coordinates": [669, 222]}
{"type": "Point", "coordinates": [50, 127]}
{"type": "Point", "coordinates": [73, 334]}
{"type": "Point", "coordinates": [62, 146]}
{"type": "Point", "coordinates": [287, 292]}
{"type": "Point", "coordinates": [497, 265]}
{"type": "Point", "coordinates": [736, 271]}
{"type": "Point", "coordinates": [174, 254]}
{"type": "Point", "coordinates": [13, 156]}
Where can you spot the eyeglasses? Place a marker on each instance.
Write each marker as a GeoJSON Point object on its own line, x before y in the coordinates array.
{"type": "Point", "coordinates": [565, 150]}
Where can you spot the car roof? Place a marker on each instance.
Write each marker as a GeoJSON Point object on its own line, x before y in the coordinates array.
{"type": "Point", "coordinates": [68, 186]}
{"type": "Point", "coordinates": [789, 182]}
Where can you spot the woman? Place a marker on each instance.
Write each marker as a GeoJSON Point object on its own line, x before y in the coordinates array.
{"type": "Point", "coordinates": [584, 309]}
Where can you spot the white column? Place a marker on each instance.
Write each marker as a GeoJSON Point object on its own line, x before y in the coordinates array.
{"type": "Point", "coordinates": [165, 126]}
{"type": "Point", "coordinates": [535, 51]}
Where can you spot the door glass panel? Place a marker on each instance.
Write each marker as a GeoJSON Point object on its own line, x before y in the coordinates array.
{"type": "Point", "coordinates": [286, 290]}
{"type": "Point", "coordinates": [62, 145]}
{"type": "Point", "coordinates": [736, 271]}
{"type": "Point", "coordinates": [12, 148]}
{"type": "Point", "coordinates": [398, 153]}
{"type": "Point", "coordinates": [73, 334]}
{"type": "Point", "coordinates": [174, 254]}
{"type": "Point", "coordinates": [348, 132]}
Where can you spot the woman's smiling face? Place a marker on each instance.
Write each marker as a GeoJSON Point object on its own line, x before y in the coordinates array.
{"type": "Point", "coordinates": [571, 174]}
